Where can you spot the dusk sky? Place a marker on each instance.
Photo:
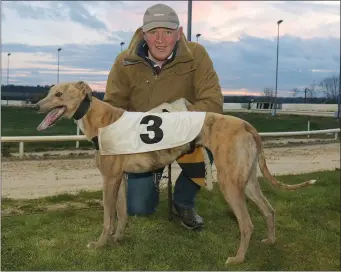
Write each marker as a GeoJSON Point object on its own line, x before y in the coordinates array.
{"type": "Point", "coordinates": [240, 37]}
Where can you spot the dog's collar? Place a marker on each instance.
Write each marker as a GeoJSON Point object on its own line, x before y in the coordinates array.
{"type": "Point", "coordinates": [82, 109]}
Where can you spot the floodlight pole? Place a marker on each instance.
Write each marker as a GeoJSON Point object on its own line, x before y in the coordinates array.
{"type": "Point", "coordinates": [59, 49]}
{"type": "Point", "coordinates": [189, 21]}
{"type": "Point", "coordinates": [275, 103]}
{"type": "Point", "coordinates": [8, 68]}
{"type": "Point", "coordinates": [198, 35]}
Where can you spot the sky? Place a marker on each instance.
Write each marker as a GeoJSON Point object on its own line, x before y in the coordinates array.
{"type": "Point", "coordinates": [239, 36]}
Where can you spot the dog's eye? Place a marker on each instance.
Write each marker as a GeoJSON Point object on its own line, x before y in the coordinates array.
{"type": "Point", "coordinates": [58, 94]}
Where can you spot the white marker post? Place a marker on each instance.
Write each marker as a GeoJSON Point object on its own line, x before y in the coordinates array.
{"type": "Point", "coordinates": [77, 142]}
{"type": "Point", "coordinates": [308, 128]}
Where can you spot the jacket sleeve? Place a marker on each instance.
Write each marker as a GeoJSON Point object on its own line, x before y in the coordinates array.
{"type": "Point", "coordinates": [118, 91]}
{"type": "Point", "coordinates": [208, 93]}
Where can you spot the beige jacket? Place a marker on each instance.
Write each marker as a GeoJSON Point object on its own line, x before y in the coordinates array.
{"type": "Point", "coordinates": [133, 86]}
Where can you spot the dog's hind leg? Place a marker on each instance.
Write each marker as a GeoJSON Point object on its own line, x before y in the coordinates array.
{"type": "Point", "coordinates": [235, 197]}
{"type": "Point", "coordinates": [121, 207]}
{"type": "Point", "coordinates": [254, 192]}
{"type": "Point", "coordinates": [233, 164]}
{"type": "Point", "coordinates": [110, 193]}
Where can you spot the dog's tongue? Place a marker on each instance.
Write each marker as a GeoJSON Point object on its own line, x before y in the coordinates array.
{"type": "Point", "coordinates": [50, 118]}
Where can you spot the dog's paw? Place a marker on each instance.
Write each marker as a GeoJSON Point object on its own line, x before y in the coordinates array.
{"type": "Point", "coordinates": [268, 241]}
{"type": "Point", "coordinates": [234, 260]}
{"type": "Point", "coordinates": [311, 182]}
{"type": "Point", "coordinates": [92, 245]}
{"type": "Point", "coordinates": [116, 238]}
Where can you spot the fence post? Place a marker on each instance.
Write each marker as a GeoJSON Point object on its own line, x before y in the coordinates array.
{"type": "Point", "coordinates": [77, 142]}
{"type": "Point", "coordinates": [335, 135]}
{"type": "Point", "coordinates": [21, 150]}
{"type": "Point", "coordinates": [308, 128]}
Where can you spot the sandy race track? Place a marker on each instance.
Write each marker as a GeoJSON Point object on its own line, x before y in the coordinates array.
{"type": "Point", "coordinates": [36, 178]}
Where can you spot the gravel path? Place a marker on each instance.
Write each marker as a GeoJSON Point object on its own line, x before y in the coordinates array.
{"type": "Point", "coordinates": [45, 177]}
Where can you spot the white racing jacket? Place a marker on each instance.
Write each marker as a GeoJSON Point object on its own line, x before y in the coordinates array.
{"type": "Point", "coordinates": [136, 132]}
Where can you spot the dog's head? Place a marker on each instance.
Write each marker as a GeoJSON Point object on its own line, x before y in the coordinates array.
{"type": "Point", "coordinates": [62, 100]}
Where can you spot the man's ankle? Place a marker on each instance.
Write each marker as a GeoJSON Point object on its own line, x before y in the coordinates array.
{"type": "Point", "coordinates": [189, 218]}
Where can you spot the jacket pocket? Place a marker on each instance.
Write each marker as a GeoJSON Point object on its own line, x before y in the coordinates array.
{"type": "Point", "coordinates": [183, 82]}
{"type": "Point", "coordinates": [184, 72]}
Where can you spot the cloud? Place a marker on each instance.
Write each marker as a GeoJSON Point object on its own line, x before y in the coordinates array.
{"type": "Point", "coordinates": [63, 22]}
{"type": "Point", "coordinates": [229, 20]}
{"type": "Point", "coordinates": [57, 11]}
{"type": "Point", "coordinates": [242, 91]}
{"type": "Point", "coordinates": [240, 37]}
{"type": "Point", "coordinates": [297, 7]}
{"type": "Point", "coordinates": [34, 10]}
{"type": "Point", "coordinates": [55, 23]}
{"type": "Point", "coordinates": [324, 71]}
{"type": "Point", "coordinates": [248, 64]}
{"type": "Point", "coordinates": [78, 13]}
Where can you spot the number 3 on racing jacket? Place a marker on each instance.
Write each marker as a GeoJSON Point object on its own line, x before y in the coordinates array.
{"type": "Point", "coordinates": [137, 132]}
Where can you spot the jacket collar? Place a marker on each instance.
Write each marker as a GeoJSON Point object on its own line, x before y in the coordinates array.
{"type": "Point", "coordinates": [183, 53]}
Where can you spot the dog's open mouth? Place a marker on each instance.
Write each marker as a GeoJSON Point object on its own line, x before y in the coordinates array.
{"type": "Point", "coordinates": [51, 118]}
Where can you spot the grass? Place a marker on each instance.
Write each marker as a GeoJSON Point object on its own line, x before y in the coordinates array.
{"type": "Point", "coordinates": [51, 233]}
{"type": "Point", "coordinates": [19, 121]}
{"type": "Point", "coordinates": [285, 122]}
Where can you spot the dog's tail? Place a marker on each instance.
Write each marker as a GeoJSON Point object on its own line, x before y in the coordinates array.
{"type": "Point", "coordinates": [208, 171]}
{"type": "Point", "coordinates": [264, 168]}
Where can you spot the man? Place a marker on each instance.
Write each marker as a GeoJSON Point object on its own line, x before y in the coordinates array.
{"type": "Point", "coordinates": [159, 66]}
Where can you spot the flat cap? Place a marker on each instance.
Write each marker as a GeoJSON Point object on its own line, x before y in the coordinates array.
{"type": "Point", "coordinates": [160, 15]}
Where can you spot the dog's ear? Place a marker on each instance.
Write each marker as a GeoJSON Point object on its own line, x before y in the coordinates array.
{"type": "Point", "coordinates": [85, 88]}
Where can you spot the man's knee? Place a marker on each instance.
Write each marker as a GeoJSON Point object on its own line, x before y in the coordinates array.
{"type": "Point", "coordinates": [142, 194]}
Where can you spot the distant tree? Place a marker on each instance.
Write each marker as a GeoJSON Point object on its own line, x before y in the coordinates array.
{"type": "Point", "coordinates": [294, 92]}
{"type": "Point", "coordinates": [268, 92]}
{"type": "Point", "coordinates": [35, 97]}
{"type": "Point", "coordinates": [311, 90]}
{"type": "Point", "coordinates": [330, 86]}
{"type": "Point", "coordinates": [23, 92]}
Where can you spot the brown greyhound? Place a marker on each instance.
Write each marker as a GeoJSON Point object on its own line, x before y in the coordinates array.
{"type": "Point", "coordinates": [235, 144]}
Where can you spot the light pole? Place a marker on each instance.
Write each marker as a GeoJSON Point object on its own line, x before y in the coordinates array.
{"type": "Point", "coordinates": [8, 68]}
{"type": "Point", "coordinates": [198, 35]}
{"type": "Point", "coordinates": [275, 104]}
{"type": "Point", "coordinates": [59, 49]}
{"type": "Point", "coordinates": [338, 99]}
{"type": "Point", "coordinates": [122, 43]}
{"type": "Point", "coordinates": [189, 20]}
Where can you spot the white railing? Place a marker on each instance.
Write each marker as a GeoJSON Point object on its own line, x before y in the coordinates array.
{"type": "Point", "coordinates": [285, 111]}
{"type": "Point", "coordinates": [63, 138]}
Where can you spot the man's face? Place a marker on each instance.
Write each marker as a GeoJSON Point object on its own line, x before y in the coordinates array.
{"type": "Point", "coordinates": [161, 41]}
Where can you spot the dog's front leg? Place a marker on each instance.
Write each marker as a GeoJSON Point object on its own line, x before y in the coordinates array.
{"type": "Point", "coordinates": [111, 186]}
{"type": "Point", "coordinates": [121, 207]}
